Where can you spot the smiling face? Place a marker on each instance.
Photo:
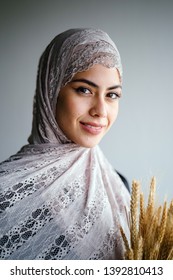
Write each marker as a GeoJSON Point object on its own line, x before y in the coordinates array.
{"type": "Point", "coordinates": [88, 105]}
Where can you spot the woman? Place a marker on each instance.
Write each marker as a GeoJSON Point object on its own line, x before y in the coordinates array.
{"type": "Point", "coordinates": [60, 198]}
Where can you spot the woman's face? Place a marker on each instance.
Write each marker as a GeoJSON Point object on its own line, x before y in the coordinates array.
{"type": "Point", "coordinates": [88, 105]}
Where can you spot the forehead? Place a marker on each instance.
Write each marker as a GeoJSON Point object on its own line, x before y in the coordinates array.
{"type": "Point", "coordinates": [100, 75]}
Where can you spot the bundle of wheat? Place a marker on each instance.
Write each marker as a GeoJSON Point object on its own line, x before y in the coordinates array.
{"type": "Point", "coordinates": [151, 227]}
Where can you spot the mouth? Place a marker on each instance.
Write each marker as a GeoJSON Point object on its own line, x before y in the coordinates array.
{"type": "Point", "coordinates": [92, 128]}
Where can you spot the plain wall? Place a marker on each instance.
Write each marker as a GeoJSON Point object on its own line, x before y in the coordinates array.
{"type": "Point", "coordinates": [140, 143]}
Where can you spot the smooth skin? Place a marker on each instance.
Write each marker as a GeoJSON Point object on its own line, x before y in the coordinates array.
{"type": "Point", "coordinates": [88, 105]}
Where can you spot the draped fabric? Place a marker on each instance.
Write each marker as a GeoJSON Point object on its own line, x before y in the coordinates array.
{"type": "Point", "coordinates": [59, 200]}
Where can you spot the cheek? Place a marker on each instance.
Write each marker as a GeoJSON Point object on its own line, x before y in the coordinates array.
{"type": "Point", "coordinates": [65, 106]}
{"type": "Point", "coordinates": [72, 108]}
{"type": "Point", "coordinates": [79, 106]}
{"type": "Point", "coordinates": [113, 113]}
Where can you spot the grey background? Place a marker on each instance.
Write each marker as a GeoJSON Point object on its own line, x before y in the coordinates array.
{"type": "Point", "coordinates": [140, 143]}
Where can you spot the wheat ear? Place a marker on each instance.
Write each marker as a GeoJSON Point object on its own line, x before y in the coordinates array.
{"type": "Point", "coordinates": [134, 217]}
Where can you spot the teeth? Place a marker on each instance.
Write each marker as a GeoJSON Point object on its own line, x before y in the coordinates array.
{"type": "Point", "coordinates": [95, 127]}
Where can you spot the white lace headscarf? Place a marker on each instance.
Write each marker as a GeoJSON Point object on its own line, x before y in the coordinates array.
{"type": "Point", "coordinates": [73, 51]}
{"type": "Point", "coordinates": [59, 200]}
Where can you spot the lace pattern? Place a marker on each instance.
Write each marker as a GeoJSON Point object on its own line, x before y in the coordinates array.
{"type": "Point", "coordinates": [58, 200]}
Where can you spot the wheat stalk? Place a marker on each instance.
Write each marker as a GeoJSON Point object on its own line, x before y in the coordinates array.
{"type": "Point", "coordinates": [134, 217]}
{"type": "Point", "coordinates": [151, 227]}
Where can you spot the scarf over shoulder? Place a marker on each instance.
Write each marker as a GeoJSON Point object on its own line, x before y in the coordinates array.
{"type": "Point", "coordinates": [59, 200]}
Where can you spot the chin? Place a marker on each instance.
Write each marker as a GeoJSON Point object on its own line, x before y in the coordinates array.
{"type": "Point", "coordinates": [88, 144]}
{"type": "Point", "coordinates": [89, 141]}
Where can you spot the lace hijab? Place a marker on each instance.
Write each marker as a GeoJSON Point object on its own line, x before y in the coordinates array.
{"type": "Point", "coordinates": [59, 200]}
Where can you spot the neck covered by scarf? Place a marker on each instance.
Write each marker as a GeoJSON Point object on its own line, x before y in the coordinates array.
{"type": "Point", "coordinates": [59, 200]}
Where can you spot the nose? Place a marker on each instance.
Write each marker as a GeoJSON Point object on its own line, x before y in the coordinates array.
{"type": "Point", "coordinates": [98, 109]}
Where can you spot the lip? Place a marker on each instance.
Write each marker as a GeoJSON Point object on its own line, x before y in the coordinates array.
{"type": "Point", "coordinates": [92, 128]}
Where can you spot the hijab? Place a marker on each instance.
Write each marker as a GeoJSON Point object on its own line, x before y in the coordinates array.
{"type": "Point", "coordinates": [59, 200]}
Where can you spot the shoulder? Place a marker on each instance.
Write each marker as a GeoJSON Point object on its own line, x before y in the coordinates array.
{"type": "Point", "coordinates": [124, 180]}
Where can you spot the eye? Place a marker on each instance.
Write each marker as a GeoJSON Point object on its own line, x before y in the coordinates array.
{"type": "Point", "coordinates": [83, 90]}
{"type": "Point", "coordinates": [113, 95]}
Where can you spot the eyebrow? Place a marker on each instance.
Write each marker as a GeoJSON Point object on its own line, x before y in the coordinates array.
{"type": "Point", "coordinates": [93, 84]}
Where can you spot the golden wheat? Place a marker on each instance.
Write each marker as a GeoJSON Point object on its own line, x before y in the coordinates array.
{"type": "Point", "coordinates": [151, 227]}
